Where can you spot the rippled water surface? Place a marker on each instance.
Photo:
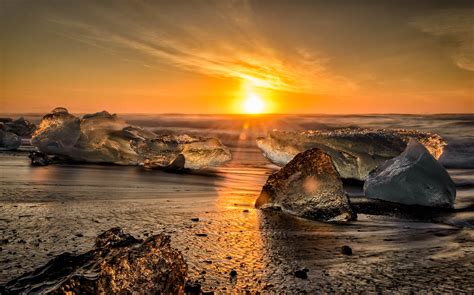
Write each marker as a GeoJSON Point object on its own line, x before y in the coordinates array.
{"type": "Point", "coordinates": [45, 211]}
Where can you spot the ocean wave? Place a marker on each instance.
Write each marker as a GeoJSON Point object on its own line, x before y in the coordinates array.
{"type": "Point", "coordinates": [459, 153]}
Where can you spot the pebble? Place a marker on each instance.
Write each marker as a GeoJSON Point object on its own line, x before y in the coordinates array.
{"type": "Point", "coordinates": [346, 250]}
{"type": "Point", "coordinates": [302, 274]}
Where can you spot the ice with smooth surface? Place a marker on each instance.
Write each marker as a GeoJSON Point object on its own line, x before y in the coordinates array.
{"type": "Point", "coordinates": [354, 151]}
{"type": "Point", "coordinates": [105, 138]}
{"type": "Point", "coordinates": [413, 178]}
{"type": "Point", "coordinates": [9, 141]}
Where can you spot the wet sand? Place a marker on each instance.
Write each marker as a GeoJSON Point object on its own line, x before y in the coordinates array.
{"type": "Point", "coordinates": [45, 211]}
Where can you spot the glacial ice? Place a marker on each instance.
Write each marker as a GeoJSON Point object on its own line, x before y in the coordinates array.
{"type": "Point", "coordinates": [414, 177]}
{"type": "Point", "coordinates": [105, 138]}
{"type": "Point", "coordinates": [118, 264]}
{"type": "Point", "coordinates": [9, 141]}
{"type": "Point", "coordinates": [354, 151]}
{"type": "Point", "coordinates": [308, 186]}
{"type": "Point", "coordinates": [20, 126]}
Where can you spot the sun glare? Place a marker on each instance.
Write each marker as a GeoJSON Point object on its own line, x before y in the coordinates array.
{"type": "Point", "coordinates": [253, 104]}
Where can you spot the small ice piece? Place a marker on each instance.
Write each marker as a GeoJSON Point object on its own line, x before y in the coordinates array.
{"type": "Point", "coordinates": [414, 177]}
{"type": "Point", "coordinates": [197, 153]}
{"type": "Point", "coordinates": [308, 186]}
{"type": "Point", "coordinates": [9, 141]}
{"type": "Point", "coordinates": [354, 151]}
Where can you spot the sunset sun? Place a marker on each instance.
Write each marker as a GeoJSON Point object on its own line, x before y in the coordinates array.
{"type": "Point", "coordinates": [253, 104]}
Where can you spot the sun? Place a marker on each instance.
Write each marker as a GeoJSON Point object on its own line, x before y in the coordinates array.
{"type": "Point", "coordinates": [253, 104]}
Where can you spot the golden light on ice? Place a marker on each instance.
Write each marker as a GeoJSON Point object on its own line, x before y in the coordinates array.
{"type": "Point", "coordinates": [253, 104]}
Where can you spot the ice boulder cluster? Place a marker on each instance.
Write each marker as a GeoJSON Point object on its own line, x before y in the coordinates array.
{"type": "Point", "coordinates": [398, 166]}
{"type": "Point", "coordinates": [105, 138]}
{"type": "Point", "coordinates": [354, 151]}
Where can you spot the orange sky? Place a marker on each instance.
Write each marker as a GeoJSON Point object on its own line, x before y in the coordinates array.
{"type": "Point", "coordinates": [208, 56]}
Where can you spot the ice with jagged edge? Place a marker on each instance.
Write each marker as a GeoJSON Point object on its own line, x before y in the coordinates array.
{"type": "Point", "coordinates": [106, 138]}
{"type": "Point", "coordinates": [412, 178]}
{"type": "Point", "coordinates": [355, 151]}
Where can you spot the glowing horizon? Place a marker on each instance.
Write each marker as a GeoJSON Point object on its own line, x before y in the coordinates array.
{"type": "Point", "coordinates": [182, 57]}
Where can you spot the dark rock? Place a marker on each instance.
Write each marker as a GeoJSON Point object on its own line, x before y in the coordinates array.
{"type": "Point", "coordinates": [346, 250]}
{"type": "Point", "coordinates": [5, 120]}
{"type": "Point", "coordinates": [233, 273]}
{"type": "Point", "coordinates": [201, 235]}
{"type": "Point", "coordinates": [195, 219]}
{"type": "Point", "coordinates": [118, 264]}
{"type": "Point", "coordinates": [308, 186]}
{"type": "Point", "coordinates": [302, 274]}
{"type": "Point", "coordinates": [192, 288]}
{"type": "Point", "coordinates": [40, 159]}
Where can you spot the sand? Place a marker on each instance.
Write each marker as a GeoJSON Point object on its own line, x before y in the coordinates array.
{"type": "Point", "coordinates": [45, 211]}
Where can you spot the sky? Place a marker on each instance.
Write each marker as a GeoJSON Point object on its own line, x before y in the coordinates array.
{"type": "Point", "coordinates": [334, 57]}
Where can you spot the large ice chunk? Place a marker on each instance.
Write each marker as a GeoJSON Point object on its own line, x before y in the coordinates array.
{"type": "Point", "coordinates": [412, 178]}
{"type": "Point", "coordinates": [354, 151]}
{"type": "Point", "coordinates": [308, 186]}
{"type": "Point", "coordinates": [106, 138]}
{"type": "Point", "coordinates": [118, 264]}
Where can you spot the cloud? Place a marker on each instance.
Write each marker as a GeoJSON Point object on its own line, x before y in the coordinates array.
{"type": "Point", "coordinates": [457, 24]}
{"type": "Point", "coordinates": [227, 44]}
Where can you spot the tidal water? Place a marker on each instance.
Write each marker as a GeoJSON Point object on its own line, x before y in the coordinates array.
{"type": "Point", "coordinates": [45, 211]}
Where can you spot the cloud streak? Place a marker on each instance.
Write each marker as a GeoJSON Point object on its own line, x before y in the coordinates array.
{"type": "Point", "coordinates": [238, 50]}
{"type": "Point", "coordinates": [454, 23]}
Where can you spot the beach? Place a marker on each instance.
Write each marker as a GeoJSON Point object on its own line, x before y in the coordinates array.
{"type": "Point", "coordinates": [210, 214]}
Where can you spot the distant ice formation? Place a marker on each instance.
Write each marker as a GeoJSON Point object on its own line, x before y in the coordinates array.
{"type": "Point", "coordinates": [105, 138]}
{"type": "Point", "coordinates": [9, 141]}
{"type": "Point", "coordinates": [354, 151]}
{"type": "Point", "coordinates": [11, 132]}
{"type": "Point", "coordinates": [20, 126]}
{"type": "Point", "coordinates": [412, 178]}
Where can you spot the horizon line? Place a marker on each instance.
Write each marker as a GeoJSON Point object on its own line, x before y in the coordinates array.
{"type": "Point", "coordinates": [243, 114]}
